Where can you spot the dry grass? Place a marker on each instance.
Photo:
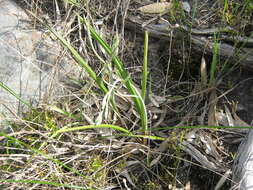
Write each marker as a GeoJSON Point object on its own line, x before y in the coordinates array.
{"type": "Point", "coordinates": [102, 158]}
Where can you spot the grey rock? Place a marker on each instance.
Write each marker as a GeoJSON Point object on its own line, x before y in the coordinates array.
{"type": "Point", "coordinates": [243, 164]}
{"type": "Point", "coordinates": [29, 63]}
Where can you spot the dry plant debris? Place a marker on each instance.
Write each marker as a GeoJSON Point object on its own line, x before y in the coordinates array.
{"type": "Point", "coordinates": [103, 158]}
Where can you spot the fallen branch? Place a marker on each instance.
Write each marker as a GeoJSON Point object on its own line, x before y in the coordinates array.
{"type": "Point", "coordinates": [236, 49]}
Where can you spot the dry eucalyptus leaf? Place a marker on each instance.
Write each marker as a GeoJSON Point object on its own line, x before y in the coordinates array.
{"type": "Point", "coordinates": [156, 8]}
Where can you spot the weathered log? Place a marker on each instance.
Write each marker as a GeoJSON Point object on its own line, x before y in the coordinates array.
{"type": "Point", "coordinates": [238, 50]}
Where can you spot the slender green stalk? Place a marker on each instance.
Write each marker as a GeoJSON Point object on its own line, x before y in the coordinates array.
{"type": "Point", "coordinates": [225, 9]}
{"type": "Point", "coordinates": [214, 61]}
{"type": "Point", "coordinates": [115, 127]}
{"type": "Point", "coordinates": [145, 68]}
{"type": "Point", "coordinates": [149, 137]}
{"type": "Point", "coordinates": [6, 88]}
{"type": "Point", "coordinates": [109, 126]}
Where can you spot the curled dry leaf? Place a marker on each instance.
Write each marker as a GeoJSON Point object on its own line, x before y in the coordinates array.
{"type": "Point", "coordinates": [156, 8]}
{"type": "Point", "coordinates": [229, 117]}
{"type": "Point", "coordinates": [203, 72]}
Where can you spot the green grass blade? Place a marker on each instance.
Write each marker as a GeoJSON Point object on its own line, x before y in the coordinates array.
{"type": "Point", "coordinates": [149, 137]}
{"type": "Point", "coordinates": [6, 88]}
{"type": "Point", "coordinates": [115, 127]}
{"type": "Point", "coordinates": [145, 68]}
{"type": "Point", "coordinates": [109, 126]}
{"type": "Point", "coordinates": [214, 61]}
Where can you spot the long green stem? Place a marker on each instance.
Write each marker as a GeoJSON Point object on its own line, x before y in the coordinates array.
{"type": "Point", "coordinates": [115, 127]}
{"type": "Point", "coordinates": [7, 89]}
{"type": "Point", "coordinates": [145, 68]}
